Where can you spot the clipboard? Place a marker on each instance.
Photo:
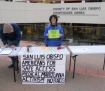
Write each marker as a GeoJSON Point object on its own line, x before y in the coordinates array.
{"type": "Point", "coordinates": [1, 49]}
{"type": "Point", "coordinates": [6, 51]}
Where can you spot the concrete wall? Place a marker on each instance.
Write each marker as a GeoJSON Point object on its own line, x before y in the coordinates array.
{"type": "Point", "coordinates": [38, 13]}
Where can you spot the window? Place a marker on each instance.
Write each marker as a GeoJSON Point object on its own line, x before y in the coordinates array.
{"type": "Point", "coordinates": [73, 1]}
{"type": "Point", "coordinates": [93, 0]}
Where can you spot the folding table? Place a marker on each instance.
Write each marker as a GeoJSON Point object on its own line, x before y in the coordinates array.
{"type": "Point", "coordinates": [81, 50]}
{"type": "Point", "coordinates": [14, 55]}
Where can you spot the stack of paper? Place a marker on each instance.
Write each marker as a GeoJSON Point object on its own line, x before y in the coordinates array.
{"type": "Point", "coordinates": [1, 49]}
{"type": "Point", "coordinates": [6, 51]}
{"type": "Point", "coordinates": [48, 48]}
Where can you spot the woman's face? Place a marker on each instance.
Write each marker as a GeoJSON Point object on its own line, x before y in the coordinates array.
{"type": "Point", "coordinates": [53, 20]}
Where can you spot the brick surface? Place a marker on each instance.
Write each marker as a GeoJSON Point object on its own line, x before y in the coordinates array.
{"type": "Point", "coordinates": [8, 58]}
{"type": "Point", "coordinates": [80, 70]}
{"type": "Point", "coordinates": [101, 73]}
{"type": "Point", "coordinates": [3, 57]}
{"type": "Point", "coordinates": [92, 72]}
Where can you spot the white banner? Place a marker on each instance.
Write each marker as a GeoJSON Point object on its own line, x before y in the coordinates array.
{"type": "Point", "coordinates": [43, 69]}
{"type": "Point", "coordinates": [39, 13]}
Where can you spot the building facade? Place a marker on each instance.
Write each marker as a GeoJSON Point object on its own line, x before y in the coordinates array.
{"type": "Point", "coordinates": [89, 25]}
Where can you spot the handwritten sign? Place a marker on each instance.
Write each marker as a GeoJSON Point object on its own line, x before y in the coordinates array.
{"type": "Point", "coordinates": [43, 69]}
{"type": "Point", "coordinates": [53, 33]}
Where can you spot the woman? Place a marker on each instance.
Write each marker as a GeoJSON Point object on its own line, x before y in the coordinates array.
{"type": "Point", "coordinates": [53, 26]}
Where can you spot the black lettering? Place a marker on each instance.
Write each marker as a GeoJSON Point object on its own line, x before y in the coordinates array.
{"type": "Point", "coordinates": [49, 81]}
{"type": "Point", "coordinates": [63, 12]}
{"type": "Point", "coordinates": [39, 57]}
{"type": "Point", "coordinates": [47, 74]}
{"type": "Point", "coordinates": [55, 80]}
{"type": "Point", "coordinates": [27, 68]}
{"type": "Point", "coordinates": [50, 68]}
{"type": "Point", "coordinates": [38, 79]}
{"type": "Point", "coordinates": [55, 56]}
{"type": "Point", "coordinates": [94, 8]}
{"type": "Point", "coordinates": [58, 8]}
{"type": "Point", "coordinates": [74, 8]}
{"type": "Point", "coordinates": [79, 12]}
{"type": "Point", "coordinates": [27, 73]}
{"type": "Point", "coordinates": [40, 68]}
{"type": "Point", "coordinates": [59, 75]}
{"type": "Point", "coordinates": [82, 8]}
{"type": "Point", "coordinates": [68, 8]}
{"type": "Point", "coordinates": [27, 57]}
{"type": "Point", "coordinates": [23, 63]}
{"type": "Point", "coordinates": [23, 78]}
{"type": "Point", "coordinates": [37, 63]}
{"type": "Point", "coordinates": [49, 63]}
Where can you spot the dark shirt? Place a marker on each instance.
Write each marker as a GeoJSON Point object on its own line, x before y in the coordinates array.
{"type": "Point", "coordinates": [14, 36]}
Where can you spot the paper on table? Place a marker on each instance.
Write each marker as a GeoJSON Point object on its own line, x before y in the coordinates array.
{"type": "Point", "coordinates": [81, 50]}
{"type": "Point", "coordinates": [48, 48]}
{"type": "Point", "coordinates": [1, 49]}
{"type": "Point", "coordinates": [6, 51]}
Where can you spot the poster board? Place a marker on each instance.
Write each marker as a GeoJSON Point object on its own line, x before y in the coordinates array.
{"type": "Point", "coordinates": [53, 34]}
{"type": "Point", "coordinates": [43, 68]}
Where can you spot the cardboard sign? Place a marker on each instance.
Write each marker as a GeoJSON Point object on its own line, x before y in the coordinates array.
{"type": "Point", "coordinates": [53, 33]}
{"type": "Point", "coordinates": [43, 68]}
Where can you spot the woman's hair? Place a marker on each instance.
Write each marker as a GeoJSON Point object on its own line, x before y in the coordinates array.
{"type": "Point", "coordinates": [55, 16]}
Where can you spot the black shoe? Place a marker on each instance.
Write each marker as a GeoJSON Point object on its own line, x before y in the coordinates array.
{"type": "Point", "coordinates": [10, 66]}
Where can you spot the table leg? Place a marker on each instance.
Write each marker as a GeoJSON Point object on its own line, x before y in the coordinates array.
{"type": "Point", "coordinates": [74, 58]}
{"type": "Point", "coordinates": [14, 69]}
{"type": "Point", "coordinates": [104, 62]}
{"type": "Point", "coordinates": [17, 65]}
{"type": "Point", "coordinates": [70, 63]}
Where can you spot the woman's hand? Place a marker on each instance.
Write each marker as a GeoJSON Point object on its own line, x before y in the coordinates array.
{"type": "Point", "coordinates": [47, 34]}
{"type": "Point", "coordinates": [12, 46]}
{"type": "Point", "coordinates": [6, 46]}
{"type": "Point", "coordinates": [60, 35]}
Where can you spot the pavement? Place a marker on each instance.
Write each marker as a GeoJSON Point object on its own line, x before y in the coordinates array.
{"type": "Point", "coordinates": [89, 75]}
